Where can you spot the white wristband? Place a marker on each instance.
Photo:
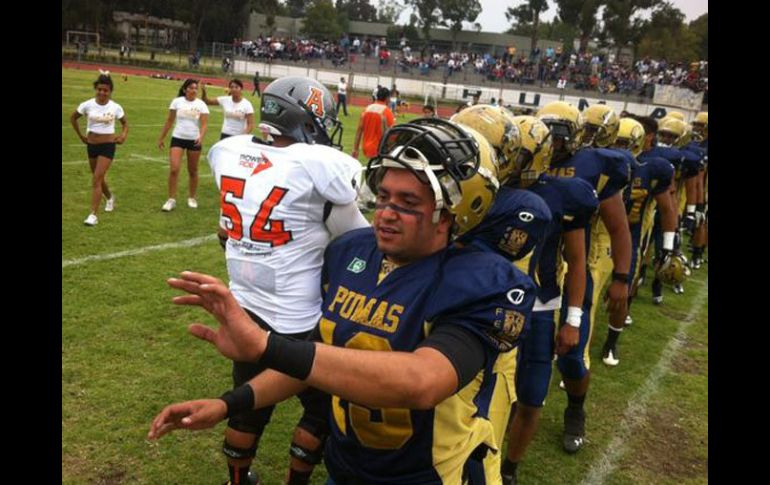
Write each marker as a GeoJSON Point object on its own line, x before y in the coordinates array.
{"type": "Point", "coordinates": [574, 314]}
{"type": "Point", "coordinates": [668, 240]}
{"type": "Point", "coordinates": [690, 208]}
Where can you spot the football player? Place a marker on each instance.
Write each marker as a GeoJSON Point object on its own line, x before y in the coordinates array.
{"type": "Point", "coordinates": [282, 201]}
{"type": "Point", "coordinates": [608, 172]}
{"type": "Point", "coordinates": [407, 322]}
{"type": "Point", "coordinates": [650, 181]}
{"type": "Point", "coordinates": [572, 202]}
{"type": "Point", "coordinates": [700, 128]}
{"type": "Point", "coordinates": [670, 136]}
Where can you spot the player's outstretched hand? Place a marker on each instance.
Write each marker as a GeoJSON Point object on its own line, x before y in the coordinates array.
{"type": "Point", "coordinates": [192, 415]}
{"type": "Point", "coordinates": [238, 337]}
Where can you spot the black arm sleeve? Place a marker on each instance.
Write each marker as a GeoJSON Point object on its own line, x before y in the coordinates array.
{"type": "Point", "coordinates": [463, 348]}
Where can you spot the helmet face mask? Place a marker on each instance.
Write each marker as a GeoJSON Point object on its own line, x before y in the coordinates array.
{"type": "Point", "coordinates": [456, 162]}
{"type": "Point", "coordinates": [672, 132]}
{"type": "Point", "coordinates": [301, 109]}
{"type": "Point", "coordinates": [601, 126]}
{"type": "Point", "coordinates": [700, 126]}
{"type": "Point", "coordinates": [630, 136]}
{"type": "Point", "coordinates": [565, 123]}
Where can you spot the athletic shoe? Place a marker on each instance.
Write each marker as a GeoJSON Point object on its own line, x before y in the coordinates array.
{"type": "Point", "coordinates": [679, 289]}
{"type": "Point", "coordinates": [629, 320]}
{"type": "Point", "coordinates": [561, 386]}
{"type": "Point", "coordinates": [509, 479]}
{"type": "Point", "coordinates": [574, 430]}
{"type": "Point", "coordinates": [251, 479]}
{"type": "Point", "coordinates": [657, 292]}
{"type": "Point", "coordinates": [91, 220]}
{"type": "Point", "coordinates": [610, 356]}
{"type": "Point", "coordinates": [192, 203]}
{"type": "Point", "coordinates": [110, 205]}
{"type": "Point", "coordinates": [169, 205]}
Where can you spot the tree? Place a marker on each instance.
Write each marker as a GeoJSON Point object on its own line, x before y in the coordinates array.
{"type": "Point", "coordinates": [296, 8]}
{"type": "Point", "coordinates": [389, 11]}
{"type": "Point", "coordinates": [455, 12]}
{"type": "Point", "coordinates": [700, 27]}
{"type": "Point", "coordinates": [426, 15]}
{"type": "Point", "coordinates": [666, 35]}
{"type": "Point", "coordinates": [324, 20]}
{"type": "Point", "coordinates": [527, 16]}
{"type": "Point", "coordinates": [360, 10]}
{"type": "Point", "coordinates": [271, 9]}
{"type": "Point", "coordinates": [619, 23]}
{"type": "Point", "coordinates": [582, 14]}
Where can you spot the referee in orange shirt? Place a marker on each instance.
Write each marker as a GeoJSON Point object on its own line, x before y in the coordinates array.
{"type": "Point", "coordinates": [374, 121]}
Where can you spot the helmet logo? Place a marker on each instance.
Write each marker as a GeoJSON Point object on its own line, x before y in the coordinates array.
{"type": "Point", "coordinates": [316, 102]}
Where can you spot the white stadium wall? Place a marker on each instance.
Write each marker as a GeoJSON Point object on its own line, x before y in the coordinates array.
{"type": "Point", "coordinates": [668, 97]}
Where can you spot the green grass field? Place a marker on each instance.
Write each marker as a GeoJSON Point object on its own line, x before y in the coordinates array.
{"type": "Point", "coordinates": [126, 352]}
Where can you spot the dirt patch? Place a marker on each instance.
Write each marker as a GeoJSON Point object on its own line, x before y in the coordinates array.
{"type": "Point", "coordinates": [666, 448]}
{"type": "Point", "coordinates": [686, 364]}
{"type": "Point", "coordinates": [114, 476]}
{"type": "Point", "coordinates": [673, 314]}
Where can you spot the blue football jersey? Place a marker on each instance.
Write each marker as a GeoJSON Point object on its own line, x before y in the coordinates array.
{"type": "Point", "coordinates": [649, 177]}
{"type": "Point", "coordinates": [515, 224]}
{"type": "Point", "coordinates": [478, 290]}
{"type": "Point", "coordinates": [572, 202]}
{"type": "Point", "coordinates": [608, 171]}
{"type": "Point", "coordinates": [673, 155]}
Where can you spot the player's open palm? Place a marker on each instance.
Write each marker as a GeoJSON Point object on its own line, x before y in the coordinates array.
{"type": "Point", "coordinates": [192, 415]}
{"type": "Point", "coordinates": [238, 337]}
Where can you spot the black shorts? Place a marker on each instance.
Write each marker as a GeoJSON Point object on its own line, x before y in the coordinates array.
{"type": "Point", "coordinates": [254, 422]}
{"type": "Point", "coordinates": [106, 150]}
{"type": "Point", "coordinates": [186, 144]}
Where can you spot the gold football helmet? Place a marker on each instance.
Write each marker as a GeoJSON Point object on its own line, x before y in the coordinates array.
{"type": "Point", "coordinates": [600, 127]}
{"type": "Point", "coordinates": [564, 122]}
{"type": "Point", "coordinates": [671, 131]}
{"type": "Point", "coordinates": [700, 126]}
{"type": "Point", "coordinates": [457, 162]}
{"type": "Point", "coordinates": [536, 151]}
{"type": "Point", "coordinates": [630, 136]}
{"type": "Point", "coordinates": [498, 127]}
{"type": "Point", "coordinates": [674, 270]}
{"type": "Point", "coordinates": [676, 115]}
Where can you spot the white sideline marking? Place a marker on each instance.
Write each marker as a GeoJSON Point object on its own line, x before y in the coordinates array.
{"type": "Point", "coordinates": [636, 412]}
{"type": "Point", "coordinates": [196, 241]}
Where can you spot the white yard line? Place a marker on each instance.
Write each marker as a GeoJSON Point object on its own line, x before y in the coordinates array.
{"type": "Point", "coordinates": [133, 252]}
{"type": "Point", "coordinates": [636, 412]}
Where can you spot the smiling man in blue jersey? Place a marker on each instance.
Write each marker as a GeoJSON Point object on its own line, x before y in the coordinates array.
{"type": "Point", "coordinates": [608, 172]}
{"type": "Point", "coordinates": [411, 328]}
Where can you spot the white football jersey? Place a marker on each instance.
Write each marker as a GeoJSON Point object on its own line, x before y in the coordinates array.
{"type": "Point", "coordinates": [272, 205]}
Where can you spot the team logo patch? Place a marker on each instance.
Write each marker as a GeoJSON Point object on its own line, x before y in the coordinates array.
{"type": "Point", "coordinates": [513, 324]}
{"type": "Point", "coordinates": [526, 216]}
{"type": "Point", "coordinates": [357, 265]}
{"type": "Point", "coordinates": [516, 296]}
{"type": "Point", "coordinates": [508, 325]}
{"type": "Point", "coordinates": [316, 102]}
{"type": "Point", "coordinates": [513, 241]}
